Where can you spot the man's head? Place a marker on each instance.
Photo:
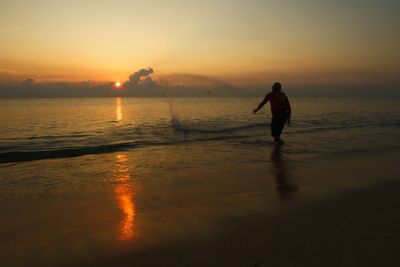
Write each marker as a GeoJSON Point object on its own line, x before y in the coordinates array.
{"type": "Point", "coordinates": [276, 87]}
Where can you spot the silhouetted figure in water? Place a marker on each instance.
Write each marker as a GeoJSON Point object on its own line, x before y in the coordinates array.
{"type": "Point", "coordinates": [285, 187]}
{"type": "Point", "coordinates": [280, 109]}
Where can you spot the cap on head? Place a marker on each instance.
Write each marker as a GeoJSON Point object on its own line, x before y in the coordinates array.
{"type": "Point", "coordinates": [277, 86]}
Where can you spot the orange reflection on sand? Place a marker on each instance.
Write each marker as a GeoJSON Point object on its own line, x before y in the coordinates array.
{"type": "Point", "coordinates": [124, 193]}
{"type": "Point", "coordinates": [118, 108]}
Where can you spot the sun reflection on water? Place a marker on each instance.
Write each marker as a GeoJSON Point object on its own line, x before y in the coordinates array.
{"type": "Point", "coordinates": [125, 193]}
{"type": "Point", "coordinates": [118, 108]}
{"type": "Point", "coordinates": [124, 190]}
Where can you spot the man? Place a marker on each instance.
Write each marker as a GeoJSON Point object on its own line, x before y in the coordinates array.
{"type": "Point", "coordinates": [280, 109]}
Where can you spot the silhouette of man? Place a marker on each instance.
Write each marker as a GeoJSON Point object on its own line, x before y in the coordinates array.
{"type": "Point", "coordinates": [280, 109]}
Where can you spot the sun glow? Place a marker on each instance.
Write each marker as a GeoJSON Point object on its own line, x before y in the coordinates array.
{"type": "Point", "coordinates": [117, 85]}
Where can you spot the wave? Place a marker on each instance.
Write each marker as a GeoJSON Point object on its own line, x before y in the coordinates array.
{"type": "Point", "coordinates": [17, 156]}
{"type": "Point", "coordinates": [57, 136]}
{"type": "Point", "coordinates": [183, 127]}
{"type": "Point", "coordinates": [341, 127]}
{"type": "Point", "coordinates": [196, 133]}
{"type": "Point", "coordinates": [20, 155]}
{"type": "Point", "coordinates": [179, 127]}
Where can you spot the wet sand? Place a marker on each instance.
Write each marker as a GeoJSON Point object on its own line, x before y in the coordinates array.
{"type": "Point", "coordinates": [361, 229]}
{"type": "Point", "coordinates": [357, 225]}
{"type": "Point", "coordinates": [339, 210]}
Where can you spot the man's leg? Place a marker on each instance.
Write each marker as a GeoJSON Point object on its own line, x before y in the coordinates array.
{"type": "Point", "coordinates": [275, 128]}
{"type": "Point", "coordinates": [277, 124]}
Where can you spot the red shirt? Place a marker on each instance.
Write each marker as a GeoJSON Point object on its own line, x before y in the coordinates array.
{"type": "Point", "coordinates": [279, 102]}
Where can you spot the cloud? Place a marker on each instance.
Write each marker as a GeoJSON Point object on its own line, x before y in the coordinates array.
{"type": "Point", "coordinates": [136, 78]}
{"type": "Point", "coordinates": [143, 84]}
{"type": "Point", "coordinates": [11, 75]}
{"type": "Point", "coordinates": [27, 81]}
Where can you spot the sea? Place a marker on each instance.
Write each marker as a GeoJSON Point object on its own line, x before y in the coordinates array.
{"type": "Point", "coordinates": [37, 129]}
{"type": "Point", "coordinates": [83, 178]}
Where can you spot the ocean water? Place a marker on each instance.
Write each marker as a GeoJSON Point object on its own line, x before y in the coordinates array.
{"type": "Point", "coordinates": [87, 178]}
{"type": "Point", "coordinates": [34, 129]}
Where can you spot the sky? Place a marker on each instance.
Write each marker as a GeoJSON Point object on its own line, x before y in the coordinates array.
{"type": "Point", "coordinates": [243, 43]}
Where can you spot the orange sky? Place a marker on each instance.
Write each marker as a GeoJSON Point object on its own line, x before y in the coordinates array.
{"type": "Point", "coordinates": [242, 41]}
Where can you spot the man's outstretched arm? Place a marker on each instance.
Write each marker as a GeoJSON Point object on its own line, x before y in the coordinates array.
{"type": "Point", "coordinates": [265, 100]}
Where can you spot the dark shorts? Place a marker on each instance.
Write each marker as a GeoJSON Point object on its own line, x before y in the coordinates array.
{"type": "Point", "coordinates": [277, 123]}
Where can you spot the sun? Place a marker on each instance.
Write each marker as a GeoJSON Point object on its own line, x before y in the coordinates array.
{"type": "Point", "coordinates": [117, 84]}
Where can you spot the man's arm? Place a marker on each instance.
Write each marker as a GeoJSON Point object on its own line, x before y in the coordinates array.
{"type": "Point", "coordinates": [265, 100]}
